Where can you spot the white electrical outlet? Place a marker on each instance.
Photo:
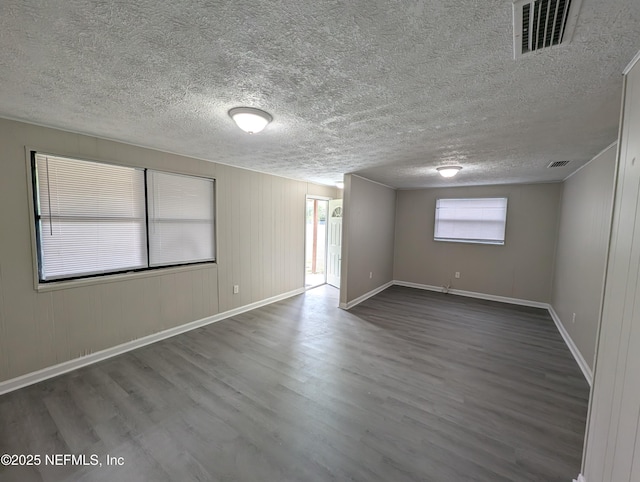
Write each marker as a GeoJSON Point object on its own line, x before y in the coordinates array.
{"type": "Point", "coordinates": [457, 274]}
{"type": "Point", "coordinates": [573, 318]}
{"type": "Point", "coordinates": [370, 274]}
{"type": "Point", "coordinates": [236, 289]}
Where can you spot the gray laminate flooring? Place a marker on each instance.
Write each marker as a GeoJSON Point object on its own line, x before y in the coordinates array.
{"type": "Point", "coordinates": [410, 385]}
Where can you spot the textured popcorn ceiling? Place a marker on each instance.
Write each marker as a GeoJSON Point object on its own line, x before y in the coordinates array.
{"type": "Point", "coordinates": [387, 89]}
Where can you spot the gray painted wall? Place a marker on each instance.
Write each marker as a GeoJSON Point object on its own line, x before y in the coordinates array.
{"type": "Point", "coordinates": [367, 237]}
{"type": "Point", "coordinates": [583, 242]}
{"type": "Point", "coordinates": [522, 268]}
{"type": "Point", "coordinates": [260, 227]}
{"type": "Point", "coordinates": [613, 433]}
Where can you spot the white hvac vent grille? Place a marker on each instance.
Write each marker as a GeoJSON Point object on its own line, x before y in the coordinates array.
{"type": "Point", "coordinates": [539, 24]}
{"type": "Point", "coordinates": [558, 163]}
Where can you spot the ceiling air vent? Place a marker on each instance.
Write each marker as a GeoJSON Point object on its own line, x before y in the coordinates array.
{"type": "Point", "coordinates": [539, 24]}
{"type": "Point", "coordinates": [558, 163]}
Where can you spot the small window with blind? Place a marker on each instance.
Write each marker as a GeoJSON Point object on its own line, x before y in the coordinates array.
{"type": "Point", "coordinates": [180, 219]}
{"type": "Point", "coordinates": [474, 220]}
{"type": "Point", "coordinates": [95, 219]}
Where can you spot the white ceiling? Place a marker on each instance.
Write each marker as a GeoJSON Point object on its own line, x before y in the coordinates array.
{"type": "Point", "coordinates": [387, 89]}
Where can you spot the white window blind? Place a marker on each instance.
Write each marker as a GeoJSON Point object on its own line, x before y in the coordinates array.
{"type": "Point", "coordinates": [181, 219]}
{"type": "Point", "coordinates": [478, 220]}
{"type": "Point", "coordinates": [91, 217]}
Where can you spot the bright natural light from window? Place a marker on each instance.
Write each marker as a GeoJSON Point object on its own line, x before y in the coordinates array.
{"type": "Point", "coordinates": [94, 218]}
{"type": "Point", "coordinates": [91, 217]}
{"type": "Point", "coordinates": [180, 219]}
{"type": "Point", "coordinates": [476, 220]}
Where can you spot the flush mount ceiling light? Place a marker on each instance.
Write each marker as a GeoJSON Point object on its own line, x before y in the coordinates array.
{"type": "Point", "coordinates": [340, 184]}
{"type": "Point", "coordinates": [448, 171]}
{"type": "Point", "coordinates": [249, 119]}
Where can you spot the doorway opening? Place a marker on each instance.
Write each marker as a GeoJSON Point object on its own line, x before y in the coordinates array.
{"type": "Point", "coordinates": [315, 262]}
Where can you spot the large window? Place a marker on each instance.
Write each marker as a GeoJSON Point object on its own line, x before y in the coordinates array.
{"type": "Point", "coordinates": [94, 218]}
{"type": "Point", "coordinates": [477, 220]}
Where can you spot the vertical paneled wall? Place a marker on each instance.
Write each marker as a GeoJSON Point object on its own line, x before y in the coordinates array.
{"type": "Point", "coordinates": [263, 220]}
{"type": "Point", "coordinates": [581, 252]}
{"type": "Point", "coordinates": [613, 441]}
{"type": "Point", "coordinates": [367, 237]}
{"type": "Point", "coordinates": [260, 227]}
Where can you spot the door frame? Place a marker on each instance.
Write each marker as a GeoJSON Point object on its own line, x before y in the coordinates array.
{"type": "Point", "coordinates": [304, 249]}
{"type": "Point", "coordinates": [329, 224]}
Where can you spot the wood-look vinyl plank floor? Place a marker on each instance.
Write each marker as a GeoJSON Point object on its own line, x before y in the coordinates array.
{"type": "Point", "coordinates": [408, 386]}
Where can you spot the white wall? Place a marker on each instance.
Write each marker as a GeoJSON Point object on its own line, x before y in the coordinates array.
{"type": "Point", "coordinates": [260, 228]}
{"type": "Point", "coordinates": [613, 432]}
{"type": "Point", "coordinates": [522, 268]}
{"type": "Point", "coordinates": [581, 254]}
{"type": "Point", "coordinates": [367, 237]}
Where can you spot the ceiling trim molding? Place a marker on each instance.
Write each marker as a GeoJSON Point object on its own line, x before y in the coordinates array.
{"type": "Point", "coordinates": [592, 159]}
{"type": "Point", "coordinates": [142, 146]}
{"type": "Point", "coordinates": [631, 64]}
{"type": "Point", "coordinates": [470, 186]}
{"type": "Point", "coordinates": [375, 182]}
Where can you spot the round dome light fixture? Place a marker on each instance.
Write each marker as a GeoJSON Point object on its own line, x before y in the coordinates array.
{"type": "Point", "coordinates": [249, 119]}
{"type": "Point", "coordinates": [448, 171]}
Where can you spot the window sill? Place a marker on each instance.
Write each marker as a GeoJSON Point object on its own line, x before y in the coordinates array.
{"type": "Point", "coordinates": [114, 278]}
{"type": "Point", "coordinates": [469, 241]}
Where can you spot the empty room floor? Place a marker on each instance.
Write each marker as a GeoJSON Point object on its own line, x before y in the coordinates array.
{"type": "Point", "coordinates": [409, 385]}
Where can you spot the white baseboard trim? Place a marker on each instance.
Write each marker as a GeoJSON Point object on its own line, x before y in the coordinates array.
{"type": "Point", "coordinates": [61, 368]}
{"type": "Point", "coordinates": [586, 371]}
{"type": "Point", "coordinates": [55, 370]}
{"type": "Point", "coordinates": [366, 296]}
{"type": "Point", "coordinates": [474, 294]}
{"type": "Point", "coordinates": [584, 367]}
